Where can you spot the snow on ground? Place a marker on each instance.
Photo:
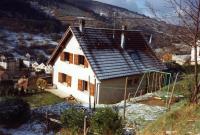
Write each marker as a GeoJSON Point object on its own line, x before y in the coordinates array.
{"type": "Point", "coordinates": [29, 128]}
{"type": "Point", "coordinates": [135, 113]}
{"type": "Point", "coordinates": [14, 38]}
{"type": "Point", "coordinates": [56, 109]}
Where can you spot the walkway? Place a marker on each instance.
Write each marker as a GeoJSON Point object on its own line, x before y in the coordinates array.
{"type": "Point", "coordinates": [57, 92]}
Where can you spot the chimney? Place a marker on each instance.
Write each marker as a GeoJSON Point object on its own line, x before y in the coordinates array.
{"type": "Point", "coordinates": [81, 24]}
{"type": "Point", "coordinates": [123, 36]}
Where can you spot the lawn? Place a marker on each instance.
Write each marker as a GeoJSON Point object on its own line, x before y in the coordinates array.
{"type": "Point", "coordinates": [42, 99]}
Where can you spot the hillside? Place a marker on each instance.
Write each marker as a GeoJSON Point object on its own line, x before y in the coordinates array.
{"type": "Point", "coordinates": [99, 14]}
{"type": "Point", "coordinates": [50, 18]}
{"type": "Point", "coordinates": [182, 120]}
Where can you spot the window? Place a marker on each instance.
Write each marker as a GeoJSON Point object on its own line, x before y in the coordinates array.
{"type": "Point", "coordinates": [82, 85]}
{"type": "Point", "coordinates": [65, 79]}
{"type": "Point", "coordinates": [132, 82]}
{"type": "Point", "coordinates": [61, 77]}
{"type": "Point", "coordinates": [81, 60]}
{"type": "Point", "coordinates": [65, 56]}
{"type": "Point", "coordinates": [85, 85]}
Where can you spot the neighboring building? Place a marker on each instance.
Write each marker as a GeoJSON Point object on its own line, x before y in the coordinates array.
{"type": "Point", "coordinates": [3, 74]}
{"type": "Point", "coordinates": [181, 58]}
{"type": "Point", "coordinates": [101, 59]}
{"type": "Point", "coordinates": [198, 54]}
{"type": "Point", "coordinates": [8, 62]}
{"type": "Point", "coordinates": [166, 57]}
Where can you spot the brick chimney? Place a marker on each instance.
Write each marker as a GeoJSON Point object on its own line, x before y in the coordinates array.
{"type": "Point", "coordinates": [81, 24]}
{"type": "Point", "coordinates": [123, 36]}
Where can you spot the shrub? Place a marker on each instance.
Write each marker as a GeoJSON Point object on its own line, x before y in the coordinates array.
{"type": "Point", "coordinates": [73, 119]}
{"type": "Point", "coordinates": [13, 111]}
{"type": "Point", "coordinates": [106, 121]}
{"type": "Point", "coordinates": [41, 84]}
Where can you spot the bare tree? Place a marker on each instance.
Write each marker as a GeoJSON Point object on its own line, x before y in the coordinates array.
{"type": "Point", "coordinates": [188, 13]}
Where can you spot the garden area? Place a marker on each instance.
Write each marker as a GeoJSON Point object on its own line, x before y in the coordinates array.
{"type": "Point", "coordinates": [41, 112]}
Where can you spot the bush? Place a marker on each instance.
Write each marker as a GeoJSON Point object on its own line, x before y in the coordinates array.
{"type": "Point", "coordinates": [106, 121]}
{"type": "Point", "coordinates": [13, 111]}
{"type": "Point", "coordinates": [73, 119]}
{"type": "Point", "coordinates": [41, 84]}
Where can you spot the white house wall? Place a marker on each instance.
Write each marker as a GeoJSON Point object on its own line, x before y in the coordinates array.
{"type": "Point", "coordinates": [192, 55]}
{"type": "Point", "coordinates": [75, 71]}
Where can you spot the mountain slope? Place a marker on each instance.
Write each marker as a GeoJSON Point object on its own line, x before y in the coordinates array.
{"type": "Point", "coordinates": [21, 15]}
{"type": "Point", "coordinates": [54, 16]}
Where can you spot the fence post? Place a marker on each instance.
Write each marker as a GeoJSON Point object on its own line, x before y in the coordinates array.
{"type": "Point", "coordinates": [125, 91]}
{"type": "Point", "coordinates": [85, 125]}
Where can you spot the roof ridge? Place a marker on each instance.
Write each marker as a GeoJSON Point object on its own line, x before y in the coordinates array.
{"type": "Point", "coordinates": [106, 29]}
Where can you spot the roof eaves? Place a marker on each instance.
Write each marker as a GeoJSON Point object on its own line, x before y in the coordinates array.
{"type": "Point", "coordinates": [51, 60]}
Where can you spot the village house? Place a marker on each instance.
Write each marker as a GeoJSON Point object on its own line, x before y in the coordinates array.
{"type": "Point", "coordinates": [3, 74]}
{"type": "Point", "coordinates": [8, 62]}
{"type": "Point", "coordinates": [96, 62]}
{"type": "Point", "coordinates": [198, 54]}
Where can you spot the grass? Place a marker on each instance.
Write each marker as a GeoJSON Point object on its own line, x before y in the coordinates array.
{"type": "Point", "coordinates": [42, 99]}
{"type": "Point", "coordinates": [183, 119]}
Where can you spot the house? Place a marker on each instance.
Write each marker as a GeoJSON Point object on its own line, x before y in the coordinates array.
{"type": "Point", "coordinates": [181, 58]}
{"type": "Point", "coordinates": [3, 74]}
{"type": "Point", "coordinates": [93, 63]}
{"type": "Point", "coordinates": [8, 62]}
{"type": "Point", "coordinates": [193, 54]}
{"type": "Point", "coordinates": [27, 60]}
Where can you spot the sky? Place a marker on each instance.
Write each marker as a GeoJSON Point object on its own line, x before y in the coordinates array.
{"type": "Point", "coordinates": [161, 7]}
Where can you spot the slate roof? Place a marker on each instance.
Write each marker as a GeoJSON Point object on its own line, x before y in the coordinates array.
{"type": "Point", "coordinates": [107, 58]}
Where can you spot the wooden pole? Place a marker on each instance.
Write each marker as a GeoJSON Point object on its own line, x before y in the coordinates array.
{"type": "Point", "coordinates": [170, 100]}
{"type": "Point", "coordinates": [152, 83]}
{"type": "Point", "coordinates": [85, 125]}
{"type": "Point", "coordinates": [89, 93]}
{"type": "Point", "coordinates": [125, 93]}
{"type": "Point", "coordinates": [148, 75]}
{"type": "Point", "coordinates": [95, 82]}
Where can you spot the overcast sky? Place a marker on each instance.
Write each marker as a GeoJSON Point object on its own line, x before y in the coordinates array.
{"type": "Point", "coordinates": [140, 6]}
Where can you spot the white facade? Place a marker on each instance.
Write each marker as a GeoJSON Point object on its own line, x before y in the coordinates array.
{"type": "Point", "coordinates": [198, 54]}
{"type": "Point", "coordinates": [75, 71]}
{"type": "Point", "coordinates": [181, 59]}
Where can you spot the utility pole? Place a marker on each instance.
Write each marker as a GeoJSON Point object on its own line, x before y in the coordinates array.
{"type": "Point", "coordinates": [125, 95]}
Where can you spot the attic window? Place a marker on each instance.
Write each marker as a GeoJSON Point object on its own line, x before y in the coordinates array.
{"type": "Point", "coordinates": [81, 60]}
{"type": "Point", "coordinates": [64, 56]}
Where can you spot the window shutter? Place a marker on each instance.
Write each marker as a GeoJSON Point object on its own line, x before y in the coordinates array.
{"type": "Point", "coordinates": [92, 89]}
{"type": "Point", "coordinates": [70, 58]}
{"type": "Point", "coordinates": [63, 77]}
{"type": "Point", "coordinates": [69, 80]}
{"type": "Point", "coordinates": [80, 85]}
{"type": "Point", "coordinates": [59, 77]}
{"type": "Point", "coordinates": [85, 63]}
{"type": "Point", "coordinates": [62, 56]}
{"type": "Point", "coordinates": [75, 59]}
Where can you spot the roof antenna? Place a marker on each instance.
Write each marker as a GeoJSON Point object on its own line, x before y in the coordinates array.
{"type": "Point", "coordinates": [114, 24]}
{"type": "Point", "coordinates": [150, 39]}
